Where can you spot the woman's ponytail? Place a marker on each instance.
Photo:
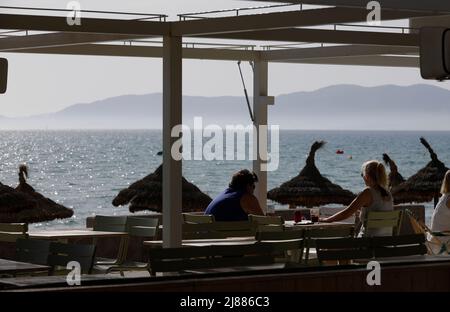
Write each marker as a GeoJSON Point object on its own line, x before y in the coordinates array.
{"type": "Point", "coordinates": [377, 172]}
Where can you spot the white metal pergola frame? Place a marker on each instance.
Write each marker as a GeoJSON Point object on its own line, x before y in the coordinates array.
{"type": "Point", "coordinates": [350, 47]}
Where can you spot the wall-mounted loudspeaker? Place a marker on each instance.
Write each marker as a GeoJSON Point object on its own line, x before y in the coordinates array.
{"type": "Point", "coordinates": [435, 53]}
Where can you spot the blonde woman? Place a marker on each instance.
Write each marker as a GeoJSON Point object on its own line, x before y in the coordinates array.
{"type": "Point", "coordinates": [375, 197]}
{"type": "Point", "coordinates": [440, 221]}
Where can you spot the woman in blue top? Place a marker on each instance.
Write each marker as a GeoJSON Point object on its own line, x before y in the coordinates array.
{"type": "Point", "coordinates": [237, 201]}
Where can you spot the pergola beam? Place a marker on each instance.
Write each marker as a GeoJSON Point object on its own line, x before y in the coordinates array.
{"type": "Point", "coordinates": [345, 55]}
{"type": "Point", "coordinates": [144, 51]}
{"type": "Point", "coordinates": [372, 60]}
{"type": "Point", "coordinates": [57, 40]}
{"type": "Point", "coordinates": [324, 36]}
{"type": "Point", "coordinates": [334, 51]}
{"type": "Point", "coordinates": [279, 20]}
{"type": "Point", "coordinates": [88, 25]}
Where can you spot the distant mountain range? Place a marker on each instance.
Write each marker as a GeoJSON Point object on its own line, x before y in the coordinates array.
{"type": "Point", "coordinates": [388, 107]}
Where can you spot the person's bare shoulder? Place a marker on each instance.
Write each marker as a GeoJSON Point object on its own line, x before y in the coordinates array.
{"type": "Point", "coordinates": [365, 197]}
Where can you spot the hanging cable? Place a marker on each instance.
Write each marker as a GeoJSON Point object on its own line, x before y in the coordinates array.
{"type": "Point", "coordinates": [246, 94]}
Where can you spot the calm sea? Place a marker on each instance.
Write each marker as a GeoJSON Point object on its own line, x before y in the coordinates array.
{"type": "Point", "coordinates": [84, 170]}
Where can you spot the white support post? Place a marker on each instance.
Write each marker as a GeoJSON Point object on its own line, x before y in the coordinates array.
{"type": "Point", "coordinates": [260, 102]}
{"type": "Point", "coordinates": [172, 116]}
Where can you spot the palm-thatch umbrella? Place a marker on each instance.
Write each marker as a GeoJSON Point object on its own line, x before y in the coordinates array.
{"type": "Point", "coordinates": [395, 178]}
{"type": "Point", "coordinates": [146, 194]}
{"type": "Point", "coordinates": [28, 206]}
{"type": "Point", "coordinates": [12, 201]}
{"type": "Point", "coordinates": [425, 184]}
{"type": "Point", "coordinates": [310, 188]}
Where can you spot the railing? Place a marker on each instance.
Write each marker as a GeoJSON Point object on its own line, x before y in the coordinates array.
{"type": "Point", "coordinates": [191, 44]}
{"type": "Point", "coordinates": [145, 16]}
{"type": "Point", "coordinates": [235, 12]}
{"type": "Point", "coordinates": [402, 28]}
{"type": "Point", "coordinates": [297, 45]}
{"type": "Point", "coordinates": [398, 29]}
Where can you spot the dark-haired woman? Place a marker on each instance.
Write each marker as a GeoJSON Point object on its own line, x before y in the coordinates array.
{"type": "Point", "coordinates": [237, 201]}
{"type": "Point", "coordinates": [375, 197]}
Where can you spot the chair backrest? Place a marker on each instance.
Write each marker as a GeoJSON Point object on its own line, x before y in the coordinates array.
{"type": "Point", "coordinates": [275, 220]}
{"type": "Point", "coordinates": [318, 233]}
{"type": "Point", "coordinates": [235, 228]}
{"type": "Point", "coordinates": [398, 246]}
{"type": "Point", "coordinates": [434, 244]}
{"type": "Point", "coordinates": [218, 229]}
{"type": "Point", "coordinates": [267, 223]}
{"type": "Point", "coordinates": [384, 219]}
{"type": "Point", "coordinates": [417, 226]}
{"type": "Point", "coordinates": [208, 257]}
{"type": "Point", "coordinates": [10, 232]}
{"type": "Point", "coordinates": [32, 251]}
{"type": "Point", "coordinates": [197, 218]}
{"type": "Point", "coordinates": [200, 231]}
{"type": "Point", "coordinates": [283, 241]}
{"type": "Point", "coordinates": [110, 223]}
{"type": "Point", "coordinates": [61, 254]}
{"type": "Point", "coordinates": [340, 249]}
{"type": "Point", "coordinates": [142, 227]}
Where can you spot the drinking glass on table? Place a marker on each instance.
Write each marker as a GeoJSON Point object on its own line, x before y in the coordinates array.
{"type": "Point", "coordinates": [298, 217]}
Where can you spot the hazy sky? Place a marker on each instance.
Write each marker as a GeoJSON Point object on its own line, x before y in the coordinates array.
{"type": "Point", "coordinates": [47, 83]}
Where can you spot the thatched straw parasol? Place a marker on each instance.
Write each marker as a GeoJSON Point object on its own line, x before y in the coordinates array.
{"type": "Point", "coordinates": [146, 194]}
{"type": "Point", "coordinates": [12, 201]}
{"type": "Point", "coordinates": [310, 188]}
{"type": "Point", "coordinates": [395, 178]}
{"type": "Point", "coordinates": [425, 184]}
{"type": "Point", "coordinates": [26, 205]}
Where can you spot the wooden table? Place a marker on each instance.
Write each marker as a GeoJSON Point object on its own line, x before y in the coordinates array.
{"type": "Point", "coordinates": [317, 225]}
{"type": "Point", "coordinates": [10, 267]}
{"type": "Point", "coordinates": [65, 235]}
{"type": "Point", "coordinates": [231, 241]}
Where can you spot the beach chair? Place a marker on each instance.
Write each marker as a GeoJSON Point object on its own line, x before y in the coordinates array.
{"type": "Point", "coordinates": [10, 232]}
{"type": "Point", "coordinates": [218, 229]}
{"type": "Point", "coordinates": [437, 243]}
{"type": "Point", "coordinates": [204, 259]}
{"type": "Point", "coordinates": [32, 251]}
{"type": "Point", "coordinates": [197, 218]}
{"type": "Point", "coordinates": [384, 219]}
{"type": "Point", "coordinates": [288, 244]}
{"type": "Point", "coordinates": [267, 223]}
{"type": "Point", "coordinates": [61, 254]}
{"type": "Point", "coordinates": [111, 224]}
{"type": "Point", "coordinates": [398, 246]}
{"type": "Point", "coordinates": [342, 251]}
{"type": "Point", "coordinates": [139, 229]}
{"type": "Point", "coordinates": [234, 228]}
{"type": "Point", "coordinates": [313, 235]}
